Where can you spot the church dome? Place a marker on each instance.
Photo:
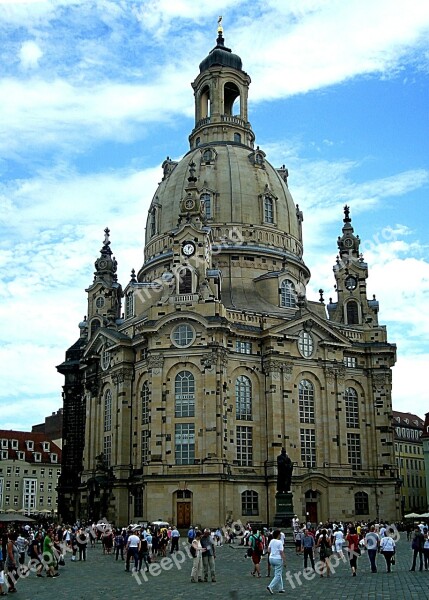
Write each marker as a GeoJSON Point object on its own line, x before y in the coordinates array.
{"type": "Point", "coordinates": [221, 56]}
{"type": "Point", "coordinates": [238, 183]}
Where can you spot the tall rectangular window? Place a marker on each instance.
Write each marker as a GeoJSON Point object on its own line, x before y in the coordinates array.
{"type": "Point", "coordinates": [184, 443]}
{"type": "Point", "coordinates": [244, 444]}
{"type": "Point", "coordinates": [306, 401]}
{"type": "Point", "coordinates": [145, 446]}
{"type": "Point", "coordinates": [108, 411]}
{"type": "Point", "coordinates": [352, 407]}
{"type": "Point", "coordinates": [107, 450]}
{"type": "Point", "coordinates": [308, 448]}
{"type": "Point", "coordinates": [29, 495]}
{"type": "Point", "coordinates": [354, 450]}
{"type": "Point", "coordinates": [184, 394]}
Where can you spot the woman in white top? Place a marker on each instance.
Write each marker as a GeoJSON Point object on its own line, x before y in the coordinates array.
{"type": "Point", "coordinates": [276, 556]}
{"type": "Point", "coordinates": [338, 542]}
{"type": "Point", "coordinates": [197, 554]}
{"type": "Point", "coordinates": [387, 548]}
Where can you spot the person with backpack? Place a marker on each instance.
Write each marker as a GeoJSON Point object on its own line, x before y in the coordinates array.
{"type": "Point", "coordinates": [196, 551]}
{"type": "Point", "coordinates": [256, 542]}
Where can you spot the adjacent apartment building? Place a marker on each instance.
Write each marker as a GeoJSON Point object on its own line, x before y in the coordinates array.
{"type": "Point", "coordinates": [410, 461]}
{"type": "Point", "coordinates": [30, 465]}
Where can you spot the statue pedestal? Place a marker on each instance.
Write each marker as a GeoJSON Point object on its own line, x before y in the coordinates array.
{"type": "Point", "coordinates": [284, 509]}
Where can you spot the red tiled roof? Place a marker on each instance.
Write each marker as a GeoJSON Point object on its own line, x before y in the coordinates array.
{"type": "Point", "coordinates": [37, 439]}
{"type": "Point", "coordinates": [411, 417]}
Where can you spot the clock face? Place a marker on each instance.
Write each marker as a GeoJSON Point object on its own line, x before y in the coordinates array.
{"type": "Point", "coordinates": [189, 204]}
{"type": "Point", "coordinates": [348, 243]}
{"type": "Point", "coordinates": [188, 248]}
{"type": "Point", "coordinates": [351, 282]}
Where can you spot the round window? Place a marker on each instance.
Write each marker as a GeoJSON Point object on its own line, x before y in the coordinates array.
{"type": "Point", "coordinates": [99, 303]}
{"type": "Point", "coordinates": [183, 335]}
{"type": "Point", "coordinates": [105, 359]}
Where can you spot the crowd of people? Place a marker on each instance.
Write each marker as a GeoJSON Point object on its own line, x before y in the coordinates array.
{"type": "Point", "coordinates": [43, 550]}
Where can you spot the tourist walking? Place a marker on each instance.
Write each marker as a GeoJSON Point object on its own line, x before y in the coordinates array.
{"type": "Point", "coordinates": [417, 545]}
{"type": "Point", "coordinates": [387, 549]}
{"type": "Point", "coordinates": [276, 557]}
{"type": "Point", "coordinates": [209, 556]}
{"type": "Point", "coordinates": [197, 556]}
{"type": "Point", "coordinates": [353, 549]}
{"type": "Point", "coordinates": [256, 542]}
{"type": "Point", "coordinates": [324, 543]}
{"type": "Point", "coordinates": [372, 544]}
{"type": "Point", "coordinates": [307, 546]}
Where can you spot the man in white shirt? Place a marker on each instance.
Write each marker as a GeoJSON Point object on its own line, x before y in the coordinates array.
{"type": "Point", "coordinates": [133, 547]}
{"type": "Point", "coordinates": [174, 540]}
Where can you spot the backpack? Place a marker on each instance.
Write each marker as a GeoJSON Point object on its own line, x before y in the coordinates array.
{"type": "Point", "coordinates": [258, 545]}
{"type": "Point", "coordinates": [193, 551]}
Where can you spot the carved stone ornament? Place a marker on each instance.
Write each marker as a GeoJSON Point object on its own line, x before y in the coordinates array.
{"type": "Point", "coordinates": [382, 379]}
{"type": "Point", "coordinates": [121, 376]}
{"type": "Point", "coordinates": [155, 362]}
{"type": "Point", "coordinates": [209, 360]}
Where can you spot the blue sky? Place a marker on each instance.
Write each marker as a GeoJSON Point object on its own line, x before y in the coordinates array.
{"type": "Point", "coordinates": [94, 94]}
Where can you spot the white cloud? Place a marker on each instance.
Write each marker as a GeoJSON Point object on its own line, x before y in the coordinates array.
{"type": "Point", "coordinates": [30, 54]}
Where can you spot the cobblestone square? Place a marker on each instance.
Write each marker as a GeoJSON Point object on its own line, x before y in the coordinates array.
{"type": "Point", "coordinates": [101, 577]}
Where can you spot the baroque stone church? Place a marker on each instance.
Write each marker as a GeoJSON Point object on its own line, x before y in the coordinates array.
{"type": "Point", "coordinates": [185, 385]}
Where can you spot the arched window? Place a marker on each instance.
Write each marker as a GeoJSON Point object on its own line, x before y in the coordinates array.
{"type": "Point", "coordinates": [129, 305]}
{"type": "Point", "coordinates": [361, 503]}
{"type": "Point", "coordinates": [207, 155]}
{"type": "Point", "coordinates": [108, 411]}
{"type": "Point", "coordinates": [249, 503]}
{"type": "Point", "coordinates": [152, 222]}
{"type": "Point", "coordinates": [268, 210]}
{"type": "Point", "coordinates": [352, 312]}
{"type": "Point", "coordinates": [95, 324]}
{"type": "Point", "coordinates": [287, 294]}
{"type": "Point", "coordinates": [206, 198]}
{"type": "Point", "coordinates": [243, 398]}
{"type": "Point", "coordinates": [145, 397]}
{"type": "Point", "coordinates": [197, 142]}
{"type": "Point", "coordinates": [185, 281]}
{"type": "Point", "coordinates": [305, 344]}
{"type": "Point", "coordinates": [352, 407]}
{"type": "Point", "coordinates": [237, 138]}
{"type": "Point", "coordinates": [184, 394]}
{"type": "Point", "coordinates": [306, 401]}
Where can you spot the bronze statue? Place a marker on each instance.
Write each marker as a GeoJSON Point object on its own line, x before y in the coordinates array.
{"type": "Point", "coordinates": [284, 472]}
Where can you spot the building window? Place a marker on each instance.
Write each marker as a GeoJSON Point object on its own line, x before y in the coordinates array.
{"type": "Point", "coordinates": [308, 448]}
{"type": "Point", "coordinates": [352, 407]}
{"type": "Point", "coordinates": [5, 454]}
{"type": "Point", "coordinates": [287, 294]}
{"type": "Point", "coordinates": [29, 495]}
{"type": "Point", "coordinates": [54, 457]}
{"type": "Point", "coordinates": [152, 222]}
{"type": "Point", "coordinates": [42, 486]}
{"type": "Point", "coordinates": [108, 411]}
{"type": "Point", "coordinates": [185, 281]}
{"type": "Point", "coordinates": [243, 347]}
{"type": "Point", "coordinates": [361, 503]}
{"type": "Point", "coordinates": [249, 503]}
{"type": "Point", "coordinates": [183, 335]}
{"type": "Point", "coordinates": [15, 500]}
{"type": "Point", "coordinates": [207, 200]}
{"type": "Point", "coordinates": [350, 361]}
{"type": "Point", "coordinates": [145, 396]}
{"type": "Point", "coordinates": [138, 502]}
{"type": "Point", "coordinates": [354, 451]}
{"type": "Point", "coordinates": [18, 471]}
{"type": "Point", "coordinates": [50, 473]}
{"type": "Point", "coordinates": [30, 445]}
{"type": "Point", "coordinates": [197, 142]}
{"type": "Point", "coordinates": [244, 444]}
{"type": "Point", "coordinates": [145, 446]}
{"type": "Point", "coordinates": [305, 344]}
{"type": "Point", "coordinates": [95, 324]}
{"type": "Point", "coordinates": [49, 500]}
{"type": "Point", "coordinates": [306, 401]}
{"type": "Point", "coordinates": [207, 155]}
{"type": "Point", "coordinates": [105, 358]}
{"type": "Point", "coordinates": [268, 209]}
{"type": "Point", "coordinates": [20, 455]}
{"type": "Point", "coordinates": [352, 312]}
{"type": "Point", "coordinates": [237, 138]}
{"type": "Point", "coordinates": [184, 443]}
{"type": "Point", "coordinates": [243, 398]}
{"type": "Point", "coordinates": [107, 450]}
{"type": "Point", "coordinates": [14, 444]}
{"type": "Point", "coordinates": [41, 500]}
{"type": "Point", "coordinates": [7, 485]}
{"type": "Point", "coordinates": [16, 486]}
{"type": "Point", "coordinates": [46, 446]}
{"type": "Point", "coordinates": [4, 444]}
{"type": "Point", "coordinates": [37, 457]}
{"type": "Point", "coordinates": [129, 305]}
{"type": "Point", "coordinates": [184, 394]}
